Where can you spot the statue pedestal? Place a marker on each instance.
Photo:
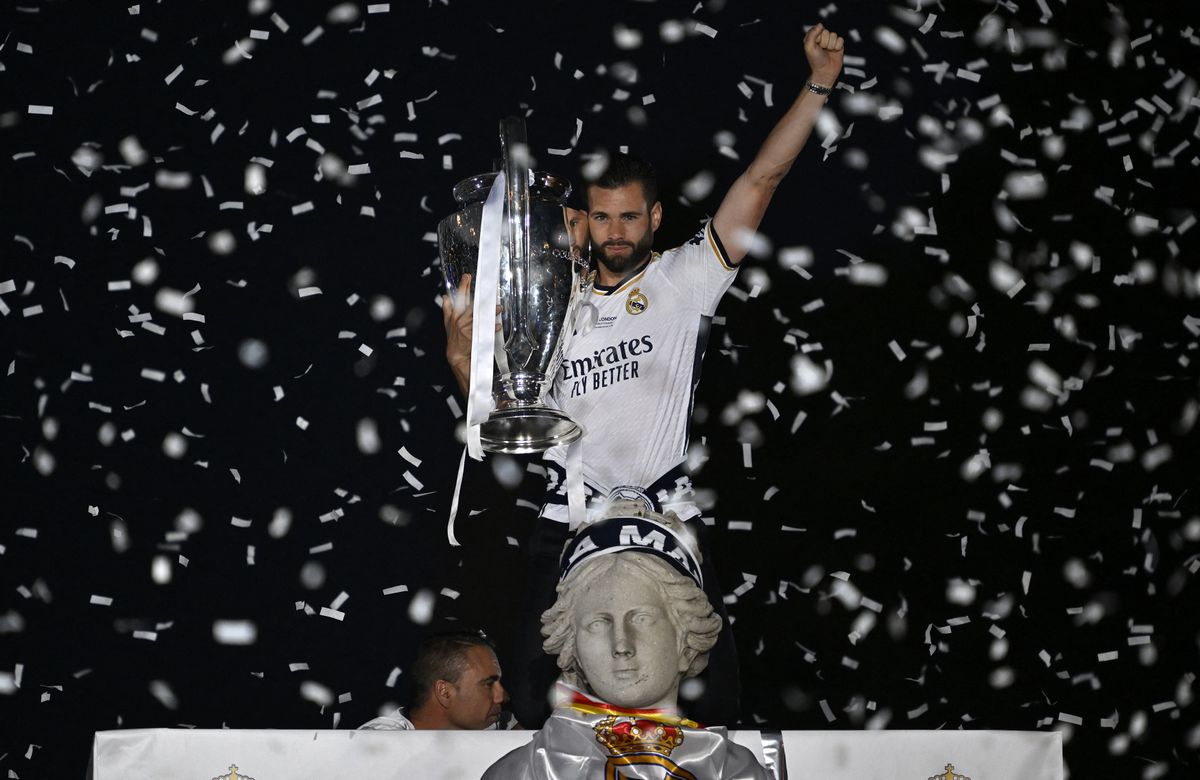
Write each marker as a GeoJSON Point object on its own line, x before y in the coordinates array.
{"type": "Point", "coordinates": [199, 754]}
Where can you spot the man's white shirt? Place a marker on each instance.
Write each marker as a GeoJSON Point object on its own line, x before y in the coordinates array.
{"type": "Point", "coordinates": [393, 721]}
{"type": "Point", "coordinates": [630, 378]}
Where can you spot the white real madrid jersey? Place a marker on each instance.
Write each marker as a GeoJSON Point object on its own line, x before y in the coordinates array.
{"type": "Point", "coordinates": [630, 379]}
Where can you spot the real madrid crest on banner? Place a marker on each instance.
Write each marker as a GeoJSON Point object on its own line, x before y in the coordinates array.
{"type": "Point", "coordinates": [642, 743]}
{"type": "Point", "coordinates": [234, 774]}
{"type": "Point", "coordinates": [948, 774]}
{"type": "Point", "coordinates": [637, 302]}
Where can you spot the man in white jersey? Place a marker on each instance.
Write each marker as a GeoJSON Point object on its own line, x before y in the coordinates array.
{"type": "Point", "coordinates": [633, 364]}
{"type": "Point", "coordinates": [629, 377]}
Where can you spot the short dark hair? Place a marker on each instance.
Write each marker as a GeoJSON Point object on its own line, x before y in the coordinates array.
{"type": "Point", "coordinates": [626, 169]}
{"type": "Point", "coordinates": [443, 656]}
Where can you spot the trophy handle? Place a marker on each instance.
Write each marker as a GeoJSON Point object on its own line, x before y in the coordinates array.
{"type": "Point", "coordinates": [515, 147]}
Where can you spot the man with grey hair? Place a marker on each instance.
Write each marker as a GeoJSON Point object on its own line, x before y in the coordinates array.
{"type": "Point", "coordinates": [631, 621]}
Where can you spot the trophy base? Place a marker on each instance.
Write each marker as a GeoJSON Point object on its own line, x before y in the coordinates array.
{"type": "Point", "coordinates": [522, 431]}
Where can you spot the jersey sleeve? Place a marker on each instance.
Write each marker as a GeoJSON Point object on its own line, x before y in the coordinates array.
{"type": "Point", "coordinates": [702, 269]}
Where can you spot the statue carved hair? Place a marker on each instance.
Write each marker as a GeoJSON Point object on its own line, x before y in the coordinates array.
{"type": "Point", "coordinates": [687, 607]}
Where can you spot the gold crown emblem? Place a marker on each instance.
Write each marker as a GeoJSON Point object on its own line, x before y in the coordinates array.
{"type": "Point", "coordinates": [949, 774]}
{"type": "Point", "coordinates": [637, 735]}
{"type": "Point", "coordinates": [234, 774]}
{"type": "Point", "coordinates": [637, 302]}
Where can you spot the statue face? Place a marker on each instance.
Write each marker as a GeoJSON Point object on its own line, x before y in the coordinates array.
{"type": "Point", "coordinates": [625, 642]}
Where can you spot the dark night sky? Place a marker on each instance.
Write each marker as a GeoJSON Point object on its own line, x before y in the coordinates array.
{"type": "Point", "coordinates": [964, 365]}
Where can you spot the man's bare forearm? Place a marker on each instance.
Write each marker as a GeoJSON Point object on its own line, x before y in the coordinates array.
{"type": "Point", "coordinates": [456, 317]}
{"type": "Point", "coordinates": [786, 140]}
{"type": "Point", "coordinates": [744, 205]}
{"type": "Point", "coordinates": [462, 375]}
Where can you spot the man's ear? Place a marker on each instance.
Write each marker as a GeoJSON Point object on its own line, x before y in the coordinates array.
{"type": "Point", "coordinates": [443, 691]}
{"type": "Point", "coordinates": [655, 216]}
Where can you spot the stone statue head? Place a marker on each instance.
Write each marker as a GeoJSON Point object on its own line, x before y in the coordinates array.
{"type": "Point", "coordinates": [631, 620]}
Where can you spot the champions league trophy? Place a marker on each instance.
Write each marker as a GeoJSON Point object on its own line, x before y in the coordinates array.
{"type": "Point", "coordinates": [538, 292]}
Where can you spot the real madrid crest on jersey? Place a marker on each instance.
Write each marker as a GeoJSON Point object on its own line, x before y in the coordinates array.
{"type": "Point", "coordinates": [637, 302]}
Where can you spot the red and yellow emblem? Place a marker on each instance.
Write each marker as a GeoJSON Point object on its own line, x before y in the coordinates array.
{"type": "Point", "coordinates": [633, 741]}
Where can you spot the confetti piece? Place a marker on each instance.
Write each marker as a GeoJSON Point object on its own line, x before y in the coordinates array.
{"type": "Point", "coordinates": [420, 609]}
{"type": "Point", "coordinates": [234, 632]}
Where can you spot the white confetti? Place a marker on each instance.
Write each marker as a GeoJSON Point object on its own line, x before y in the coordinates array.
{"type": "Point", "coordinates": [234, 632]}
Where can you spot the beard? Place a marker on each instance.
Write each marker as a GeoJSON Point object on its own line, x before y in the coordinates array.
{"type": "Point", "coordinates": [623, 264]}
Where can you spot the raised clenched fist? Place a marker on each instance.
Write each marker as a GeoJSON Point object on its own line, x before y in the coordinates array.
{"type": "Point", "coordinates": [824, 51]}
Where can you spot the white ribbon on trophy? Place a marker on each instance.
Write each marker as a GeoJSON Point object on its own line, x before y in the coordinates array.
{"type": "Point", "coordinates": [480, 400]}
{"type": "Point", "coordinates": [576, 509]}
{"type": "Point", "coordinates": [483, 335]}
{"type": "Point", "coordinates": [483, 324]}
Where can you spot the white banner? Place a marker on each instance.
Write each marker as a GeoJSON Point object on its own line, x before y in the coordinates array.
{"type": "Point", "coordinates": [924, 755]}
{"type": "Point", "coordinates": [216, 754]}
{"type": "Point", "coordinates": [204, 754]}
